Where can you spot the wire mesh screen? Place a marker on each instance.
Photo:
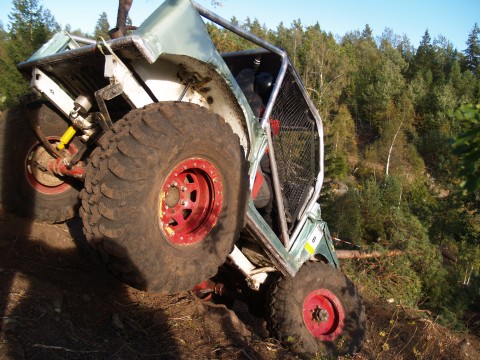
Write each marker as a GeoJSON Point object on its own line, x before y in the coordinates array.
{"type": "Point", "coordinates": [295, 140]}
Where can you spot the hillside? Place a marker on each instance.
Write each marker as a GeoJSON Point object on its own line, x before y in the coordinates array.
{"type": "Point", "coordinates": [58, 302]}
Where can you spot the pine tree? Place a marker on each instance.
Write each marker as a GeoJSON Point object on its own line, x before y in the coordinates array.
{"type": "Point", "coordinates": [472, 52]}
{"type": "Point", "coordinates": [3, 39]}
{"type": "Point", "coordinates": [343, 133]}
{"type": "Point", "coordinates": [31, 26]}
{"type": "Point", "coordinates": [102, 27]}
{"type": "Point", "coordinates": [422, 59]}
{"type": "Point", "coordinates": [3, 59]}
{"type": "Point", "coordinates": [367, 33]}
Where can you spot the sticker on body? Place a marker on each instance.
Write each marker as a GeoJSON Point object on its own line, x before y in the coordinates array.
{"type": "Point", "coordinates": [312, 243]}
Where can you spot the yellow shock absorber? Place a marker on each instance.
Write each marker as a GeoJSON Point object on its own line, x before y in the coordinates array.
{"type": "Point", "coordinates": [64, 140]}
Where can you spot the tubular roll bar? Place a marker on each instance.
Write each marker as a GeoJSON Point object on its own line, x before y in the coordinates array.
{"type": "Point", "coordinates": [268, 109]}
{"type": "Point", "coordinates": [266, 115]}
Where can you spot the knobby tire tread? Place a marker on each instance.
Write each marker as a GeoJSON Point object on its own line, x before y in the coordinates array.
{"type": "Point", "coordinates": [117, 221]}
{"type": "Point", "coordinates": [284, 315]}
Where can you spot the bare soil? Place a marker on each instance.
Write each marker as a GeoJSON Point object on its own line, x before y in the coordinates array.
{"type": "Point", "coordinates": [58, 302]}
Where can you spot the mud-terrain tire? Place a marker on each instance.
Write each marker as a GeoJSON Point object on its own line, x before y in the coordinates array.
{"type": "Point", "coordinates": [51, 199]}
{"type": "Point", "coordinates": [319, 311]}
{"type": "Point", "coordinates": [165, 196]}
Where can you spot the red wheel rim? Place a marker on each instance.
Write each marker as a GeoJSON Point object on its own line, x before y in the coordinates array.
{"type": "Point", "coordinates": [190, 201]}
{"type": "Point", "coordinates": [205, 290]}
{"type": "Point", "coordinates": [323, 315]}
{"type": "Point", "coordinates": [30, 174]}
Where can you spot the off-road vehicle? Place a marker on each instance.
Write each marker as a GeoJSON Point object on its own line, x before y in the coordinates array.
{"type": "Point", "coordinates": [189, 164]}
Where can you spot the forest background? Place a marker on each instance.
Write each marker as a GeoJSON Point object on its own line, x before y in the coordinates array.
{"type": "Point", "coordinates": [402, 148]}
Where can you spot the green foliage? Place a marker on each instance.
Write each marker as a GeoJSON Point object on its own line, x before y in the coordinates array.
{"type": "Point", "coordinates": [30, 27]}
{"type": "Point", "coordinates": [467, 146]}
{"type": "Point", "coordinates": [337, 166]}
{"type": "Point", "coordinates": [342, 133]}
{"type": "Point", "coordinates": [422, 201]}
{"type": "Point", "coordinates": [344, 217]}
{"type": "Point", "coordinates": [12, 84]}
{"type": "Point", "coordinates": [472, 53]}
{"type": "Point", "coordinates": [342, 143]}
{"type": "Point", "coordinates": [226, 41]}
{"type": "Point", "coordinates": [372, 212]}
{"type": "Point", "coordinates": [102, 27]}
{"type": "Point", "coordinates": [386, 277]}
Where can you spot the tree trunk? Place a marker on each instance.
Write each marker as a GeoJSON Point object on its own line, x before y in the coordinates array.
{"type": "Point", "coordinates": [123, 9]}
{"type": "Point", "coordinates": [391, 148]}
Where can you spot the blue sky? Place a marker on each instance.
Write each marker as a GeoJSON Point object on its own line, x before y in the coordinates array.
{"type": "Point", "coordinates": [453, 19]}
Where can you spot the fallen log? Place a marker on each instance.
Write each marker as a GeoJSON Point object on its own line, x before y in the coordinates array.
{"type": "Point", "coordinates": [359, 254]}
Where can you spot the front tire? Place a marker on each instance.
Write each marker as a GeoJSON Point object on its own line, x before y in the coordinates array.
{"type": "Point", "coordinates": [165, 196]}
{"type": "Point", "coordinates": [317, 311]}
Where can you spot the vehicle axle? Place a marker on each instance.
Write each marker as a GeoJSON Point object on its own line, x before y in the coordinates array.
{"type": "Point", "coordinates": [60, 166]}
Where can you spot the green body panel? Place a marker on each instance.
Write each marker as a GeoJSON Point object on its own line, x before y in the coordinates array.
{"type": "Point", "coordinates": [314, 239]}
{"type": "Point", "coordinates": [61, 41]}
{"type": "Point", "coordinates": [176, 28]}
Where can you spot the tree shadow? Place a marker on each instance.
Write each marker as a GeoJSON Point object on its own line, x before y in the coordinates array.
{"type": "Point", "coordinates": [59, 301]}
{"type": "Point", "coordinates": [56, 299]}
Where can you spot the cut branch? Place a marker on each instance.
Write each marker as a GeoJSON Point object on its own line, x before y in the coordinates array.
{"type": "Point", "coordinates": [51, 347]}
{"type": "Point", "coordinates": [358, 254]}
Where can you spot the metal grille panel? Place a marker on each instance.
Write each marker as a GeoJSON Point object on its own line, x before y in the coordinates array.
{"type": "Point", "coordinates": [295, 140]}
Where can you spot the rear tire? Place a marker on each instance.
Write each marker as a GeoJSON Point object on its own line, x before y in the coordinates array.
{"type": "Point", "coordinates": [319, 311]}
{"type": "Point", "coordinates": [26, 190]}
{"type": "Point", "coordinates": [165, 196]}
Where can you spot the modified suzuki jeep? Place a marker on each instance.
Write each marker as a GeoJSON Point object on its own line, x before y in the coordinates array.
{"type": "Point", "coordinates": [186, 164]}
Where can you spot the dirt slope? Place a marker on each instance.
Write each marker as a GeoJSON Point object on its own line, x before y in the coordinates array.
{"type": "Point", "coordinates": [58, 302]}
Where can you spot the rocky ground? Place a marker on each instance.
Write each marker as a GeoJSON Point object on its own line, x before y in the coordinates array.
{"type": "Point", "coordinates": [58, 302]}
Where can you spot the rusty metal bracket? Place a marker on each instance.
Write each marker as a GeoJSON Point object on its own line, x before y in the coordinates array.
{"type": "Point", "coordinates": [107, 93]}
{"type": "Point", "coordinates": [93, 138]}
